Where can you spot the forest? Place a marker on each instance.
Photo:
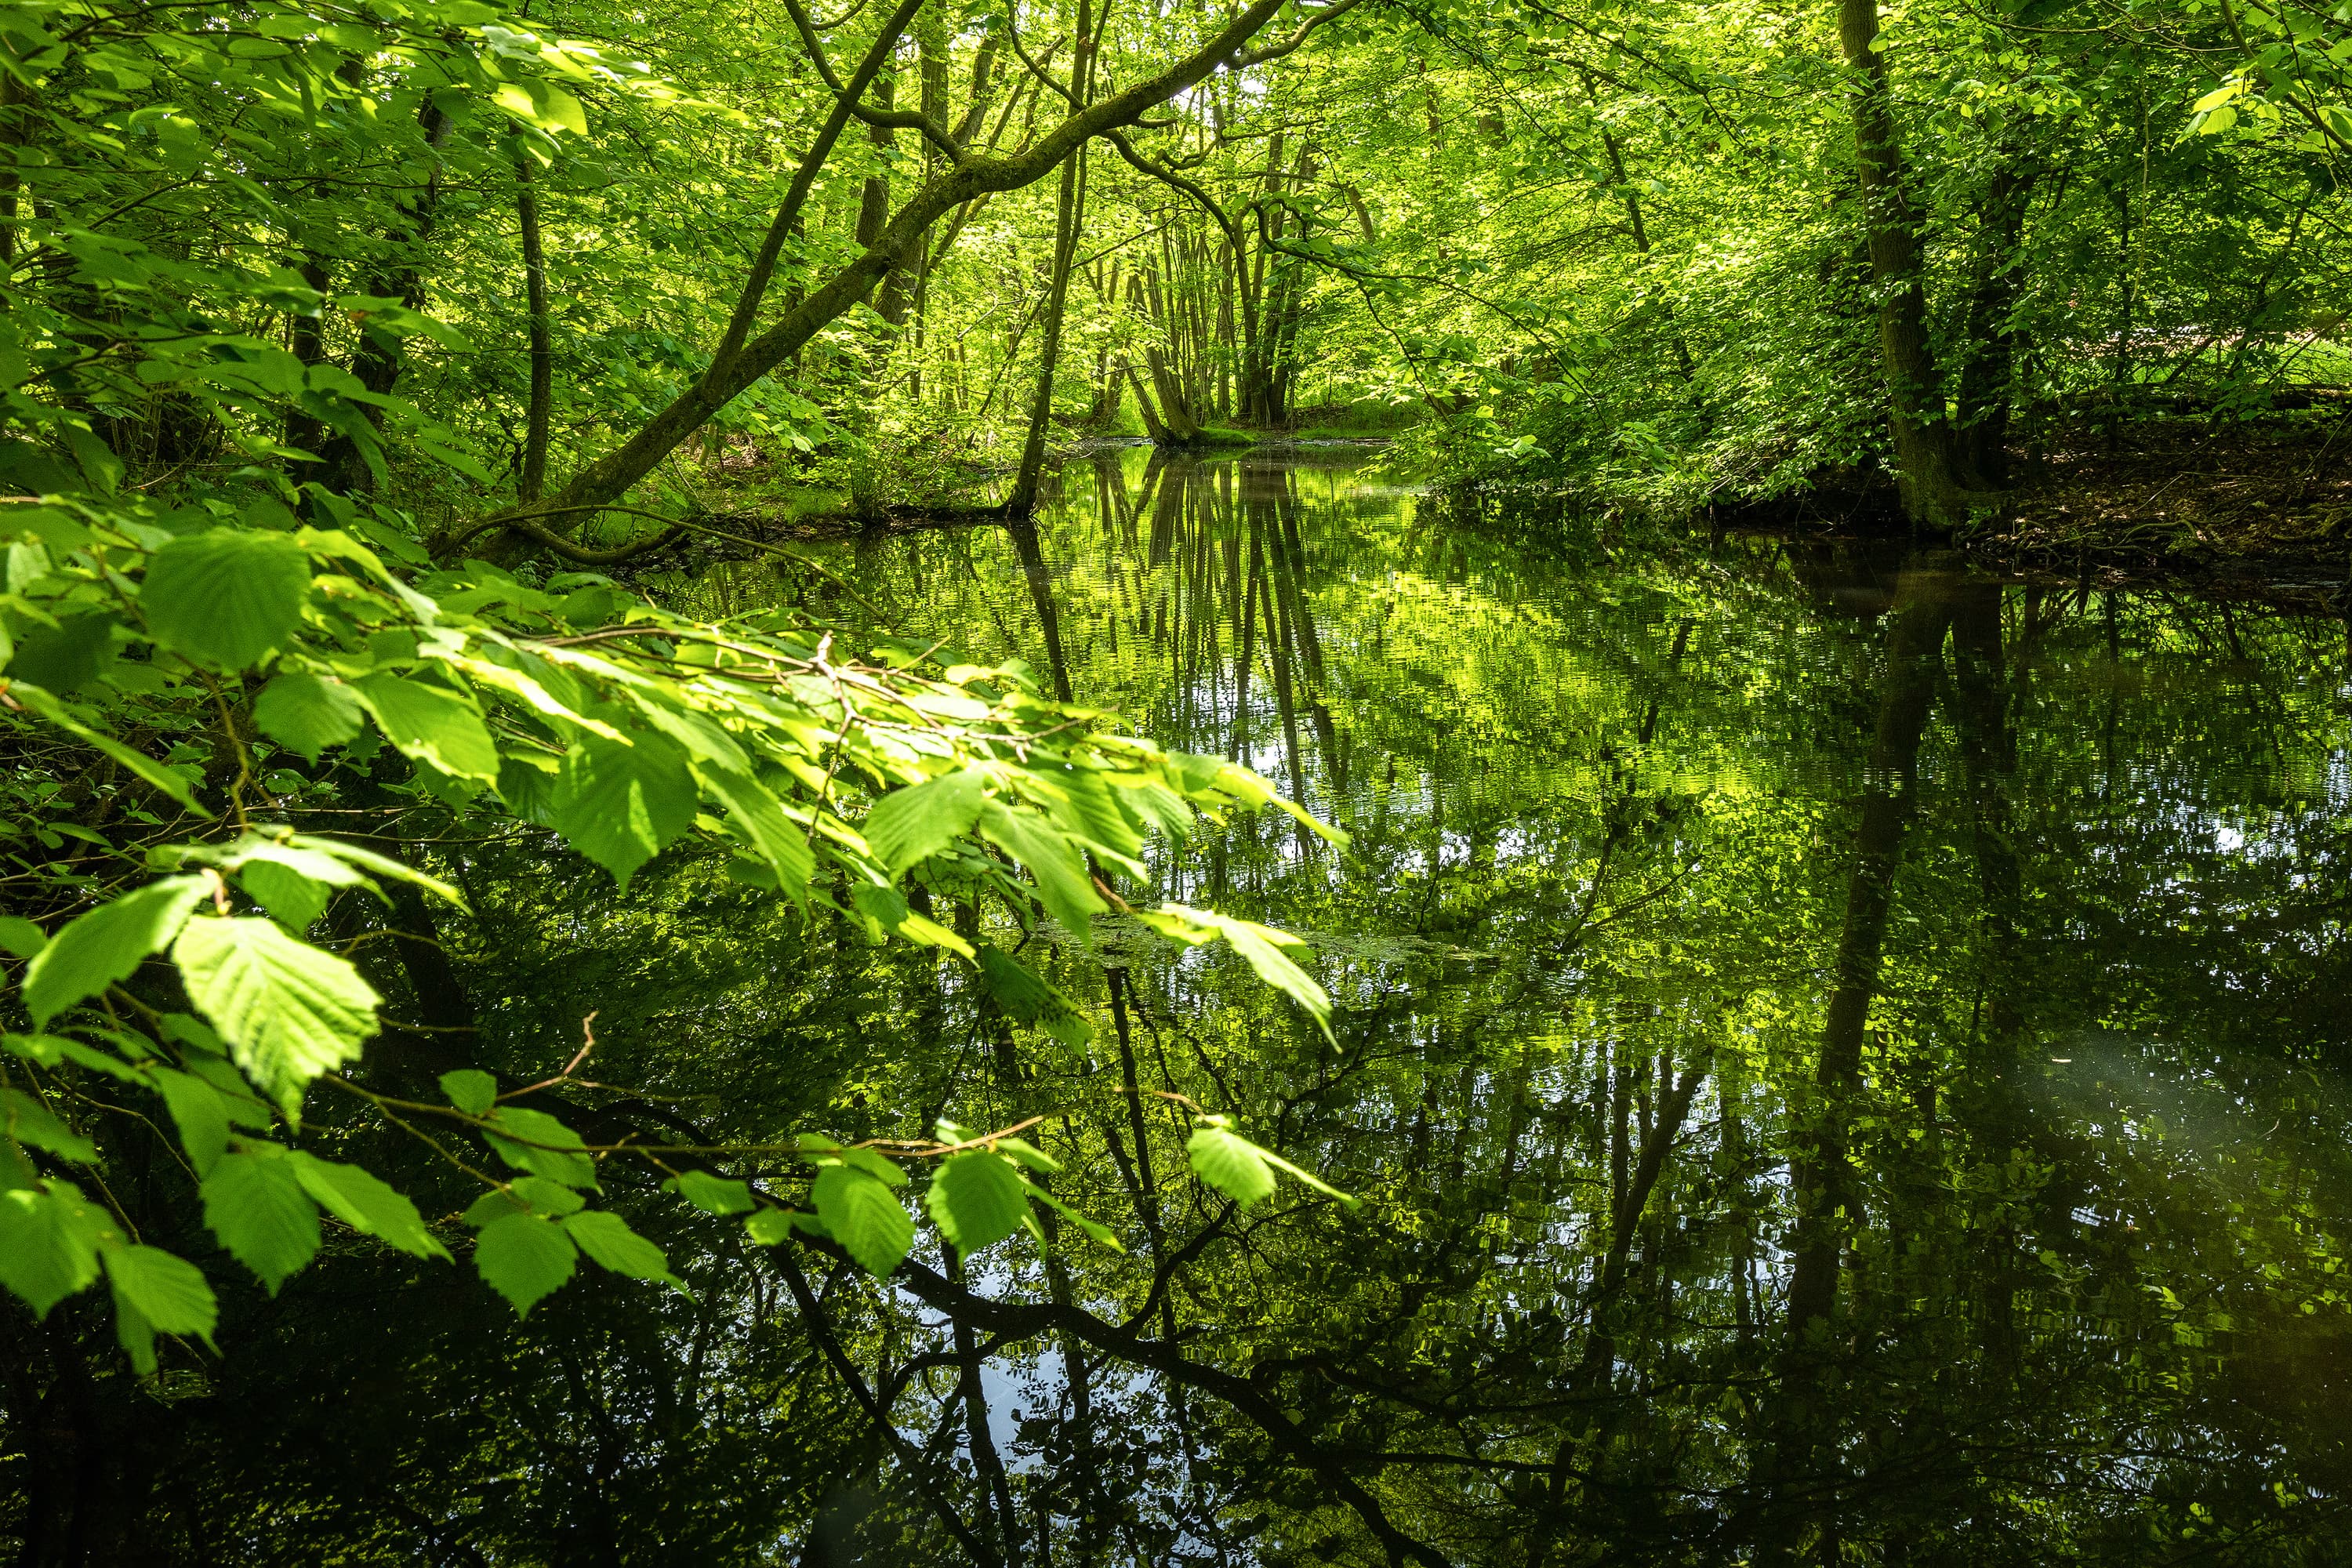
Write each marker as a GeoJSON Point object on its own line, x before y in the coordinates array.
{"type": "Point", "coordinates": [1371, 782]}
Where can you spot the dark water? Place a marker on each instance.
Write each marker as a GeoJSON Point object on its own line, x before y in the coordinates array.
{"type": "Point", "coordinates": [1843, 1058]}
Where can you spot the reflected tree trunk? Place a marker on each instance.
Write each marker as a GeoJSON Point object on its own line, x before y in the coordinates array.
{"type": "Point", "coordinates": [1917, 623]}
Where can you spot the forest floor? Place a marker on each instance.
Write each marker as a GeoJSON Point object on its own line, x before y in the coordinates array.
{"type": "Point", "coordinates": [2269, 497]}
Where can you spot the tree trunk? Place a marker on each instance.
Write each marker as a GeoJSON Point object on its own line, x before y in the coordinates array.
{"type": "Point", "coordinates": [1984, 401]}
{"type": "Point", "coordinates": [543, 352]}
{"type": "Point", "coordinates": [1925, 464]}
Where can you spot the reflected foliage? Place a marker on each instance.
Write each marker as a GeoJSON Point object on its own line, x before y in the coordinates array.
{"type": "Point", "coordinates": [1841, 1057]}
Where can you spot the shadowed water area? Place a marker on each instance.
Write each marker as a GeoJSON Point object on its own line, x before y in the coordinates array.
{"type": "Point", "coordinates": [1841, 1057]}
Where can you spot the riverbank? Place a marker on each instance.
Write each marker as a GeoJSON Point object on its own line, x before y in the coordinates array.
{"type": "Point", "coordinates": [2273, 495]}
{"type": "Point", "coordinates": [2260, 504]}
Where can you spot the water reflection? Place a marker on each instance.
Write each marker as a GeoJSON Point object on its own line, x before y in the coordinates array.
{"type": "Point", "coordinates": [1842, 1056]}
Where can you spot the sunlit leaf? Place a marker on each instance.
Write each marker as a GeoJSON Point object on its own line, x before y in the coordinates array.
{"type": "Point", "coordinates": [866, 1217]}
{"type": "Point", "coordinates": [976, 1199]}
{"type": "Point", "coordinates": [524, 1259]}
{"type": "Point", "coordinates": [255, 1203]}
{"type": "Point", "coordinates": [107, 944]}
{"type": "Point", "coordinates": [288, 1010]}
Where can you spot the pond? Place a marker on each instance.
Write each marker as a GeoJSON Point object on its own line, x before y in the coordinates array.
{"type": "Point", "coordinates": [1841, 1057]}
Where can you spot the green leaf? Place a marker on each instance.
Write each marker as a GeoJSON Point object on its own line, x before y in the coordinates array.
{"type": "Point", "coordinates": [769, 1226]}
{"type": "Point", "coordinates": [228, 596]}
{"type": "Point", "coordinates": [754, 815]}
{"type": "Point", "coordinates": [21, 937]}
{"type": "Point", "coordinates": [255, 1203]}
{"type": "Point", "coordinates": [48, 1243]}
{"type": "Point", "coordinates": [524, 1258]}
{"type": "Point", "coordinates": [1243, 1171]}
{"type": "Point", "coordinates": [26, 1120]}
{"type": "Point", "coordinates": [433, 724]}
{"type": "Point", "coordinates": [1233, 1164]}
{"type": "Point", "coordinates": [620, 805]}
{"type": "Point", "coordinates": [305, 715]}
{"type": "Point", "coordinates": [609, 1242]}
{"type": "Point", "coordinates": [366, 1203]}
{"type": "Point", "coordinates": [546, 1152]}
{"type": "Point", "coordinates": [1101, 1234]}
{"type": "Point", "coordinates": [165, 1295]}
{"type": "Point", "coordinates": [1063, 885]}
{"type": "Point", "coordinates": [66, 656]}
{"type": "Point", "coordinates": [199, 1112]}
{"type": "Point", "coordinates": [866, 1217]}
{"type": "Point", "coordinates": [471, 1090]}
{"type": "Point", "coordinates": [287, 1010]}
{"type": "Point", "coordinates": [908, 825]}
{"type": "Point", "coordinates": [1030, 999]}
{"type": "Point", "coordinates": [382, 865]}
{"type": "Point", "coordinates": [714, 1194]}
{"type": "Point", "coordinates": [976, 1200]}
{"type": "Point", "coordinates": [108, 944]}
{"type": "Point", "coordinates": [28, 695]}
{"type": "Point", "coordinates": [292, 899]}
{"type": "Point", "coordinates": [1263, 946]}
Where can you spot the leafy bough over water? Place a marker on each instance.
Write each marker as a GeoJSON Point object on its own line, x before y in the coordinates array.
{"type": "Point", "coordinates": [173, 658]}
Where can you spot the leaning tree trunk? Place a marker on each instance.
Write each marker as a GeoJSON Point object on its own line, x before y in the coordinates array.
{"type": "Point", "coordinates": [1925, 455]}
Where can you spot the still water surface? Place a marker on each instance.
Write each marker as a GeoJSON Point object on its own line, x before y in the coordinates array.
{"type": "Point", "coordinates": [1845, 1054]}
{"type": "Point", "coordinates": [1844, 1060]}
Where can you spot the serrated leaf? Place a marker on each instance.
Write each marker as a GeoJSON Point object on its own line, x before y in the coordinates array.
{"type": "Point", "coordinates": [1231, 1163]}
{"type": "Point", "coordinates": [291, 899]}
{"type": "Point", "coordinates": [770, 1226]}
{"type": "Point", "coordinates": [620, 805]}
{"type": "Point", "coordinates": [1063, 885]}
{"type": "Point", "coordinates": [382, 865]}
{"type": "Point", "coordinates": [470, 1090]}
{"type": "Point", "coordinates": [307, 714]}
{"type": "Point", "coordinates": [255, 1203]}
{"type": "Point", "coordinates": [866, 1217]}
{"type": "Point", "coordinates": [524, 1258]}
{"type": "Point", "coordinates": [199, 1112]}
{"type": "Point", "coordinates": [1263, 947]}
{"type": "Point", "coordinates": [754, 815]}
{"type": "Point", "coordinates": [430, 724]}
{"type": "Point", "coordinates": [1029, 999]}
{"type": "Point", "coordinates": [49, 1238]}
{"type": "Point", "coordinates": [168, 1293]}
{"type": "Point", "coordinates": [609, 1242]}
{"type": "Point", "coordinates": [107, 944]}
{"type": "Point", "coordinates": [366, 1203]}
{"type": "Point", "coordinates": [546, 1152]}
{"type": "Point", "coordinates": [909, 825]}
{"type": "Point", "coordinates": [228, 596]}
{"type": "Point", "coordinates": [976, 1200]}
{"type": "Point", "coordinates": [288, 1010]}
{"type": "Point", "coordinates": [714, 1194]}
